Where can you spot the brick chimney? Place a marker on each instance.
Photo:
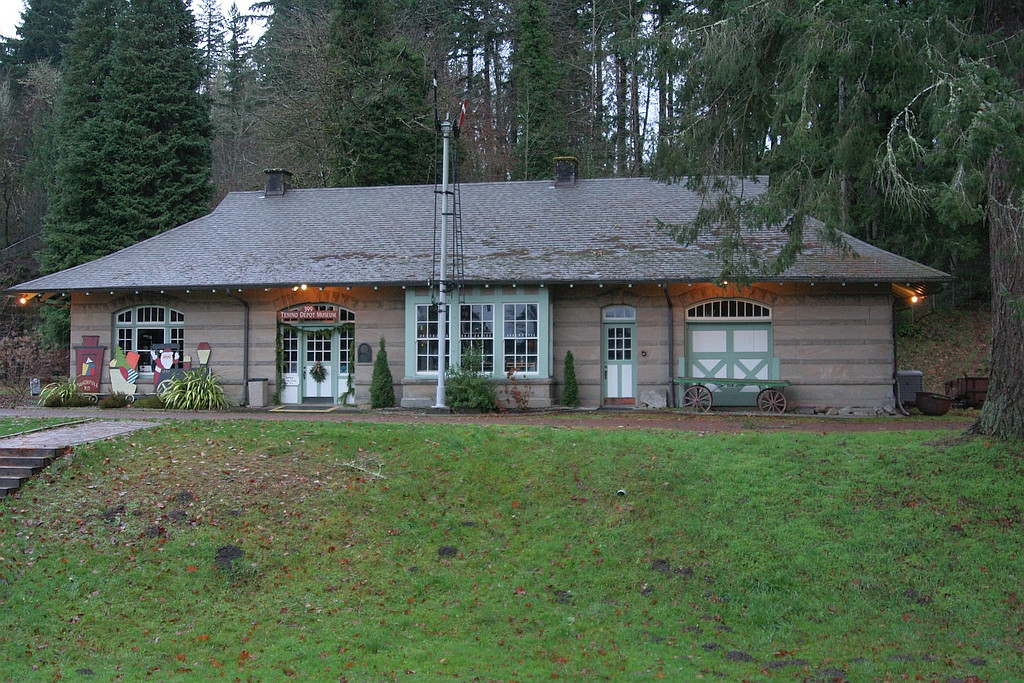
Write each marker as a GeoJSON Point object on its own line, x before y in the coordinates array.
{"type": "Point", "coordinates": [566, 171]}
{"type": "Point", "coordinates": [277, 183]}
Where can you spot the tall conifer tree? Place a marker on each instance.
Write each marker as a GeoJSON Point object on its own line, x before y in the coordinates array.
{"type": "Point", "coordinates": [900, 122]}
{"type": "Point", "coordinates": [540, 128]}
{"type": "Point", "coordinates": [77, 220]}
{"type": "Point", "coordinates": [135, 132]}
{"type": "Point", "coordinates": [382, 128]}
{"type": "Point", "coordinates": [42, 35]}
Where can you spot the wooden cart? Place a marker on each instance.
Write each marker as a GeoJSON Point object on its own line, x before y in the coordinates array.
{"type": "Point", "coordinates": [698, 397]}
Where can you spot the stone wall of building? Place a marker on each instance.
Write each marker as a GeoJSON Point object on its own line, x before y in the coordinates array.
{"type": "Point", "coordinates": [834, 343]}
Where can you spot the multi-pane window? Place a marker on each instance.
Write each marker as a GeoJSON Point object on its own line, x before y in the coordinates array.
{"type": "Point", "coordinates": [620, 343]}
{"type": "Point", "coordinates": [147, 328]}
{"type": "Point", "coordinates": [318, 347]}
{"type": "Point", "coordinates": [427, 337]}
{"type": "Point", "coordinates": [476, 331]}
{"type": "Point", "coordinates": [505, 336]}
{"type": "Point", "coordinates": [290, 351]}
{"type": "Point", "coordinates": [616, 313]}
{"type": "Point", "coordinates": [520, 337]}
{"type": "Point", "coordinates": [729, 308]}
{"type": "Point", "coordinates": [345, 350]}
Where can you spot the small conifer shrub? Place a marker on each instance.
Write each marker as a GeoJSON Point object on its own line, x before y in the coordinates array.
{"type": "Point", "coordinates": [382, 385]}
{"type": "Point", "coordinates": [571, 391]}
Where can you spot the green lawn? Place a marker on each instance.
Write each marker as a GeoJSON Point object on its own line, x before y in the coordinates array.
{"type": "Point", "coordinates": [17, 425]}
{"type": "Point", "coordinates": [506, 553]}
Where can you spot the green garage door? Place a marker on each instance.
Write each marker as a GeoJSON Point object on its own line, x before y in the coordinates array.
{"type": "Point", "coordinates": [733, 351]}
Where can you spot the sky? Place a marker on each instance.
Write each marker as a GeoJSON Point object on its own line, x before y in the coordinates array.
{"type": "Point", "coordinates": [10, 14]}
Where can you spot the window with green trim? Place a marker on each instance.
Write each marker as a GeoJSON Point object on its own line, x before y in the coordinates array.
{"type": "Point", "coordinates": [143, 328]}
{"type": "Point", "coordinates": [427, 338]}
{"type": "Point", "coordinates": [476, 332]}
{"type": "Point", "coordinates": [521, 338]}
{"type": "Point", "coordinates": [506, 327]}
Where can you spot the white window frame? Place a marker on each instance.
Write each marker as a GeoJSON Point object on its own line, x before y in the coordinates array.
{"type": "Point", "coordinates": [520, 338]}
{"type": "Point", "coordinates": [729, 309]}
{"type": "Point", "coordinates": [427, 333]}
{"type": "Point", "coordinates": [129, 321]}
{"type": "Point", "coordinates": [536, 335]}
{"type": "Point", "coordinates": [478, 332]}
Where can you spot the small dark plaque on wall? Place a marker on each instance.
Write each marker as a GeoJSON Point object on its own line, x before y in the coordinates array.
{"type": "Point", "coordinates": [364, 354]}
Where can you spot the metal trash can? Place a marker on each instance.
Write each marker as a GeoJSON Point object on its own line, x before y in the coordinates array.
{"type": "Point", "coordinates": [258, 393]}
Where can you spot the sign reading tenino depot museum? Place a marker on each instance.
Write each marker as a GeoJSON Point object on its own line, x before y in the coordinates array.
{"type": "Point", "coordinates": [309, 313]}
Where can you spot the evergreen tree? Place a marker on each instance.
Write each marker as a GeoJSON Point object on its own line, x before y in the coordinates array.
{"type": "Point", "coordinates": [856, 108]}
{"type": "Point", "coordinates": [381, 126]}
{"type": "Point", "coordinates": [42, 35]}
{"type": "Point", "coordinates": [540, 129]}
{"type": "Point", "coordinates": [135, 131]}
{"type": "Point", "coordinates": [77, 221]}
{"type": "Point", "coordinates": [234, 115]}
{"type": "Point", "coordinates": [382, 385]}
{"type": "Point", "coordinates": [295, 90]}
{"type": "Point", "coordinates": [212, 30]}
{"type": "Point", "coordinates": [571, 390]}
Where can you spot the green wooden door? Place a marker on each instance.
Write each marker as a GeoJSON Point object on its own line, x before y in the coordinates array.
{"type": "Point", "coordinates": [733, 351]}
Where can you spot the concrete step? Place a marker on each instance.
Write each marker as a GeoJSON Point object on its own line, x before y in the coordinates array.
{"type": "Point", "coordinates": [18, 465]}
{"type": "Point", "coordinates": [12, 483]}
{"type": "Point", "coordinates": [30, 452]}
{"type": "Point", "coordinates": [18, 471]}
{"type": "Point", "coordinates": [19, 461]}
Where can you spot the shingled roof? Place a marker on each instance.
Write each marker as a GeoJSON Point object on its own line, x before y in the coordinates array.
{"type": "Point", "coordinates": [602, 230]}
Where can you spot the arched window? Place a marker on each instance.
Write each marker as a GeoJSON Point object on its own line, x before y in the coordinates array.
{"type": "Point", "coordinates": [729, 309]}
{"type": "Point", "coordinates": [142, 328]}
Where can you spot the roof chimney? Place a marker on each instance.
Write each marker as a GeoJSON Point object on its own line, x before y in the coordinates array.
{"type": "Point", "coordinates": [566, 171]}
{"type": "Point", "coordinates": [278, 182]}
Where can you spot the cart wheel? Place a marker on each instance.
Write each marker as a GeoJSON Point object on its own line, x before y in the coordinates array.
{"type": "Point", "coordinates": [697, 399]}
{"type": "Point", "coordinates": [771, 401]}
{"type": "Point", "coordinates": [163, 386]}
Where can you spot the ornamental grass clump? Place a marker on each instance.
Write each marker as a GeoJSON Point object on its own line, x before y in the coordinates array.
{"type": "Point", "coordinates": [66, 394]}
{"type": "Point", "coordinates": [195, 390]}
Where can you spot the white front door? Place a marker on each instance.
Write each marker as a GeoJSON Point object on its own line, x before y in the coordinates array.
{"type": "Point", "coordinates": [319, 373]}
{"type": "Point", "coordinates": [619, 364]}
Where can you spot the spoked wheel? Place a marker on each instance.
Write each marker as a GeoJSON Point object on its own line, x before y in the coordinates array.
{"type": "Point", "coordinates": [771, 401]}
{"type": "Point", "coordinates": [697, 399]}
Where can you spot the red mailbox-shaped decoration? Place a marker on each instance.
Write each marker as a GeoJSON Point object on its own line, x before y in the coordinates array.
{"type": "Point", "coordinates": [89, 364]}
